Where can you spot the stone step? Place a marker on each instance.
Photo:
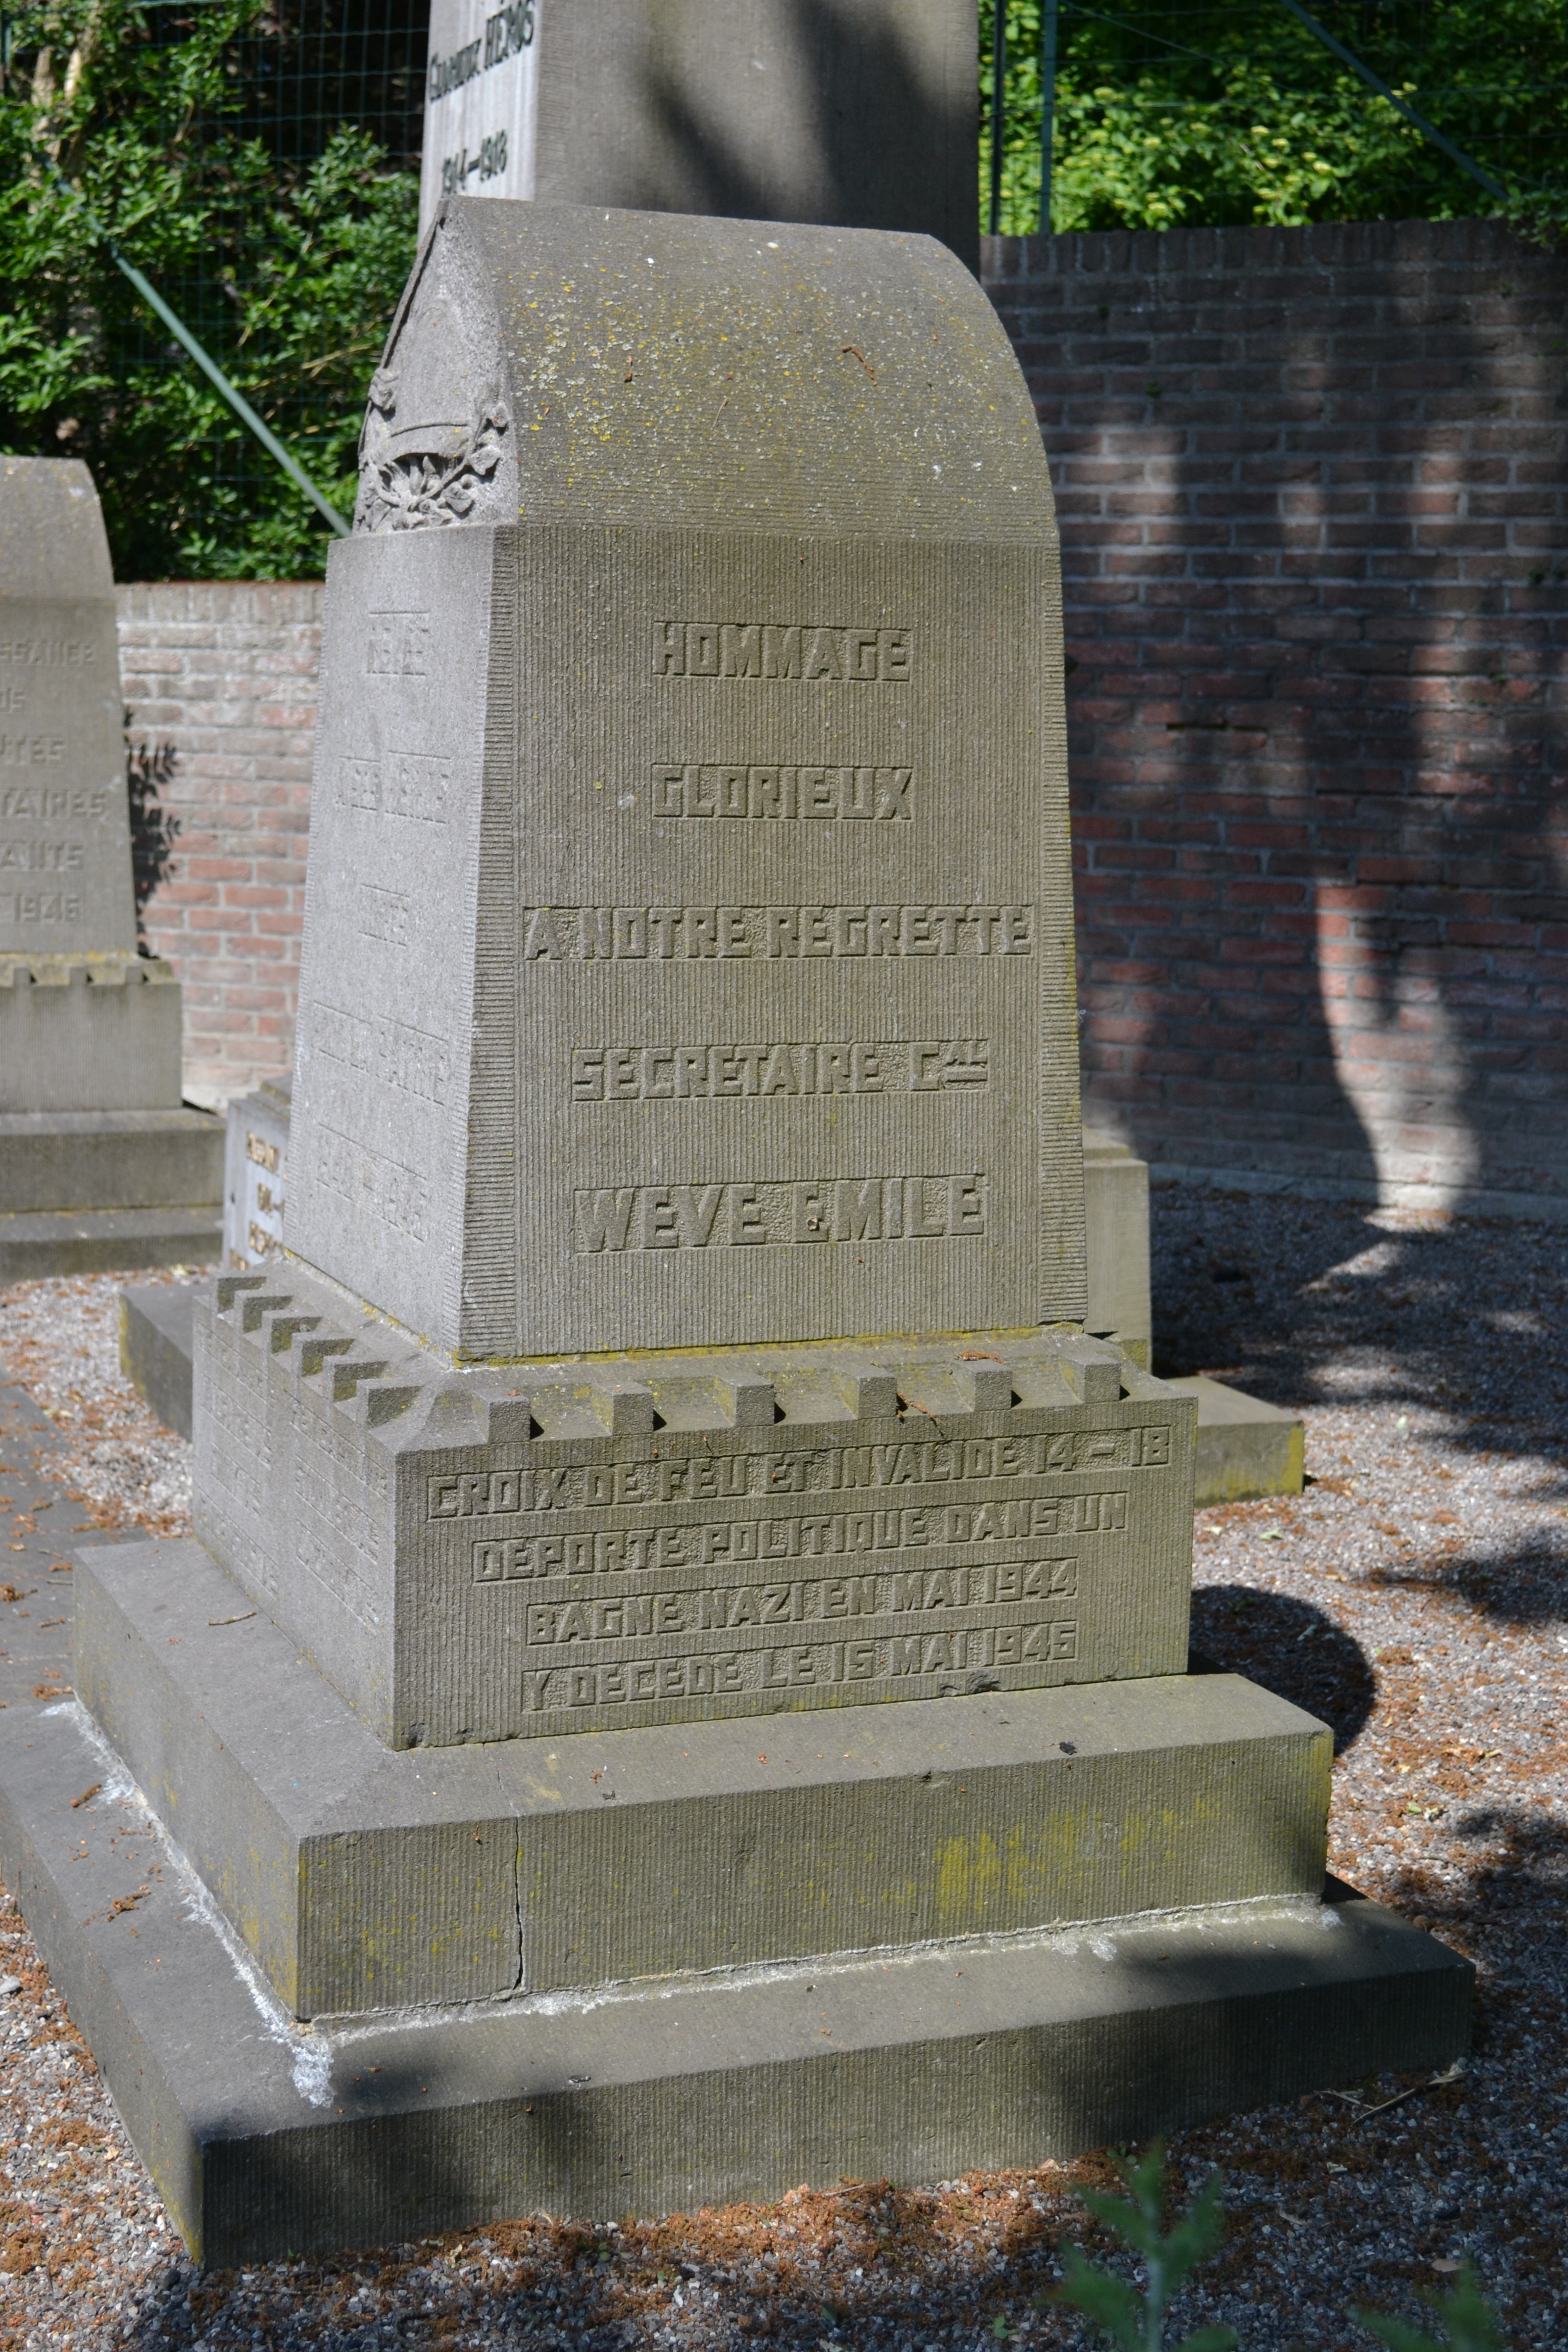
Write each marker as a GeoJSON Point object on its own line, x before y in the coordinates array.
{"type": "Point", "coordinates": [363, 1878]}
{"type": "Point", "coordinates": [156, 1341]}
{"type": "Point", "coordinates": [267, 2138]}
{"type": "Point", "coordinates": [104, 1241]}
{"type": "Point", "coordinates": [1245, 1448]}
{"type": "Point", "coordinates": [54, 1161]}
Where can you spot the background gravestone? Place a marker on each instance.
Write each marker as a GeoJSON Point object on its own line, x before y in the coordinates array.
{"type": "Point", "coordinates": [99, 1164]}
{"type": "Point", "coordinates": [862, 112]}
{"type": "Point", "coordinates": [682, 1687]}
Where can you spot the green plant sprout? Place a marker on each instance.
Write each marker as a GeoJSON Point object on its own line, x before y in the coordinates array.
{"type": "Point", "coordinates": [1133, 2320]}
{"type": "Point", "coordinates": [1467, 2322]}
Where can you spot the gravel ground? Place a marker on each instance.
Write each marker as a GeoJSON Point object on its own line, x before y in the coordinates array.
{"type": "Point", "coordinates": [61, 1340]}
{"type": "Point", "coordinates": [1412, 1596]}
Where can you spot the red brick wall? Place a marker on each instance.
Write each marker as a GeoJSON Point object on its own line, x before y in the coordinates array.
{"type": "Point", "coordinates": [1315, 527]}
{"type": "Point", "coordinates": [226, 671]}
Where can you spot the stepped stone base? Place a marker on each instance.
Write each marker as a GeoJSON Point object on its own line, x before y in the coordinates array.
{"type": "Point", "coordinates": [266, 2138]}
{"type": "Point", "coordinates": [362, 1877]}
{"type": "Point", "coordinates": [479, 1552]}
{"type": "Point", "coordinates": [105, 1240]}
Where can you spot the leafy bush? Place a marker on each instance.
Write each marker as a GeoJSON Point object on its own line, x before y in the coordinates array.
{"type": "Point", "coordinates": [1133, 2318]}
{"type": "Point", "coordinates": [1192, 112]}
{"type": "Point", "coordinates": [289, 273]}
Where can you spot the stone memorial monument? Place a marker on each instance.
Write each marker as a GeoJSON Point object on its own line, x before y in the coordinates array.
{"type": "Point", "coordinates": [676, 1356]}
{"type": "Point", "coordinates": [100, 1163]}
{"type": "Point", "coordinates": [864, 112]}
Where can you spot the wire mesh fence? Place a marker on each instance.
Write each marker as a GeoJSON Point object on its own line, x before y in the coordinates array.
{"type": "Point", "coordinates": [257, 161]}
{"type": "Point", "coordinates": [1267, 110]}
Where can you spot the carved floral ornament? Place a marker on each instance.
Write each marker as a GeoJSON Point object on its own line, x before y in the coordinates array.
{"type": "Point", "coordinates": [402, 488]}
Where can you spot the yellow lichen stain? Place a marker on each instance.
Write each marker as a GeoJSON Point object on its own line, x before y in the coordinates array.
{"type": "Point", "coordinates": [968, 1878]}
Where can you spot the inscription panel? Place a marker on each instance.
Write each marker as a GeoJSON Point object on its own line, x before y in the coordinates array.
{"type": "Point", "coordinates": [751, 1580]}
{"type": "Point", "coordinates": [65, 838]}
{"type": "Point", "coordinates": [607, 868]}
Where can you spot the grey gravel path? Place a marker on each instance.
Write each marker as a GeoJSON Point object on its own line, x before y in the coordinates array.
{"type": "Point", "coordinates": [1414, 1596]}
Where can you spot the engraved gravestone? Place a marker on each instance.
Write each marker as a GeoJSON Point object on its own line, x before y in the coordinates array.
{"type": "Point", "coordinates": [864, 113]}
{"type": "Point", "coordinates": [65, 832]}
{"type": "Point", "coordinates": [737, 767]}
{"type": "Point", "coordinates": [91, 1127]}
{"type": "Point", "coordinates": [679, 1322]}
{"type": "Point", "coordinates": [687, 965]}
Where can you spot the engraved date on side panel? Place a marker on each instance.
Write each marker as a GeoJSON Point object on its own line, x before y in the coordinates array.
{"type": "Point", "coordinates": [1023, 1652]}
{"type": "Point", "coordinates": [412, 784]}
{"type": "Point", "coordinates": [675, 1478]}
{"type": "Point", "coordinates": [960, 1594]}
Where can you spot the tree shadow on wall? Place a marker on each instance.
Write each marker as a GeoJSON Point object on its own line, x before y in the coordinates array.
{"type": "Point", "coordinates": [884, 135]}
{"type": "Point", "coordinates": [148, 770]}
{"type": "Point", "coordinates": [1321, 897]}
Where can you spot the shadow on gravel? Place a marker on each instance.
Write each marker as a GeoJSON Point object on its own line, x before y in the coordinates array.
{"type": "Point", "coordinates": [1289, 1648]}
{"type": "Point", "coordinates": [1509, 1907]}
{"type": "Point", "coordinates": [1312, 1302]}
{"type": "Point", "coordinates": [1529, 1587]}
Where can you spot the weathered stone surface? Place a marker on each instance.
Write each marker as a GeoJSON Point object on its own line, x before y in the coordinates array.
{"type": "Point", "coordinates": [571, 1545]}
{"type": "Point", "coordinates": [254, 1183]}
{"type": "Point", "coordinates": [65, 831]}
{"type": "Point", "coordinates": [863, 114]}
{"type": "Point", "coordinates": [688, 931]}
{"type": "Point", "coordinates": [362, 1879]}
{"type": "Point", "coordinates": [155, 1348]}
{"type": "Point", "coordinates": [104, 1241]}
{"type": "Point", "coordinates": [110, 1159]}
{"type": "Point", "coordinates": [267, 2138]}
{"type": "Point", "coordinates": [82, 1191]}
{"type": "Point", "coordinates": [1116, 1243]}
{"type": "Point", "coordinates": [1245, 1448]}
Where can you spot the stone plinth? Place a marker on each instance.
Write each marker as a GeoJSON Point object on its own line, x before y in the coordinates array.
{"type": "Point", "coordinates": [604, 1544]}
{"type": "Point", "coordinates": [81, 1031]}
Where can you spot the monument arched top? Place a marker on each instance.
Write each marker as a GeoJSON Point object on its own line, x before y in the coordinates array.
{"type": "Point", "coordinates": [565, 363]}
{"type": "Point", "coordinates": [53, 545]}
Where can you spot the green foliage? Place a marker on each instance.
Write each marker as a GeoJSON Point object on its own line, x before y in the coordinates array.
{"type": "Point", "coordinates": [288, 274]}
{"type": "Point", "coordinates": [1230, 110]}
{"type": "Point", "coordinates": [1467, 2322]}
{"type": "Point", "coordinates": [1135, 2320]}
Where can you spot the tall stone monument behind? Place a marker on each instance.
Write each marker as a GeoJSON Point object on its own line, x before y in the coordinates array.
{"type": "Point", "coordinates": [100, 1163]}
{"type": "Point", "coordinates": [682, 1686]}
{"type": "Point", "coordinates": [862, 112]}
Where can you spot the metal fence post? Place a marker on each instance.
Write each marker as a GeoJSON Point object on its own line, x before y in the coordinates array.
{"type": "Point", "coordinates": [1047, 107]}
{"type": "Point", "coordinates": [998, 110]}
